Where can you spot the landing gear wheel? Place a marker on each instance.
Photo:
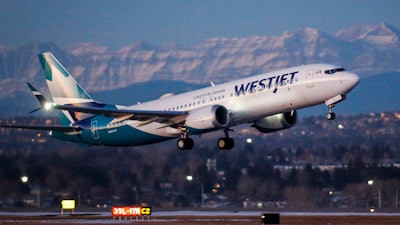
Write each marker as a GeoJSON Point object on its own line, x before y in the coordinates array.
{"type": "Point", "coordinates": [330, 116]}
{"type": "Point", "coordinates": [226, 143]}
{"type": "Point", "coordinates": [185, 143]}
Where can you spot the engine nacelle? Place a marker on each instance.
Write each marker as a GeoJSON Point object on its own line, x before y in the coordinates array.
{"type": "Point", "coordinates": [209, 117]}
{"type": "Point", "coordinates": [276, 122]}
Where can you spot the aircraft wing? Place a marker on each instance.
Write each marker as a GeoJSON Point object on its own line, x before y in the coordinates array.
{"type": "Point", "coordinates": [146, 116]}
{"type": "Point", "coordinates": [43, 127]}
{"type": "Point", "coordinates": [170, 118]}
{"type": "Point", "coordinates": [114, 112]}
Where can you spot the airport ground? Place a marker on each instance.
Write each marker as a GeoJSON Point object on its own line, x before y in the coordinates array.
{"type": "Point", "coordinates": [203, 218]}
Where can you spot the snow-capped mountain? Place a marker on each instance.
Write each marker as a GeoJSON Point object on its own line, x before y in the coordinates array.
{"type": "Point", "coordinates": [367, 50]}
{"type": "Point", "coordinates": [381, 34]}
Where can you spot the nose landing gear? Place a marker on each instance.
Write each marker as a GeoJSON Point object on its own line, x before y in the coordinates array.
{"type": "Point", "coordinates": [330, 103]}
{"type": "Point", "coordinates": [330, 115]}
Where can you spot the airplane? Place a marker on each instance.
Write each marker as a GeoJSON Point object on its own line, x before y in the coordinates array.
{"type": "Point", "coordinates": [269, 102]}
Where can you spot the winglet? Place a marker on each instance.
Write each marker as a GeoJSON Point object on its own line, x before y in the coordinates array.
{"type": "Point", "coordinates": [42, 100]}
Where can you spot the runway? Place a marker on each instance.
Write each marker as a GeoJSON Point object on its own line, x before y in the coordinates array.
{"type": "Point", "coordinates": [201, 217]}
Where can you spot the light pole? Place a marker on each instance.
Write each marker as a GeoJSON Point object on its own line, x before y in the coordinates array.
{"type": "Point", "coordinates": [25, 180]}
{"type": "Point", "coordinates": [370, 183]}
{"type": "Point", "coordinates": [190, 179]}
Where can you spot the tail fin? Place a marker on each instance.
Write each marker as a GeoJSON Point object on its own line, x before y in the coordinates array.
{"type": "Point", "coordinates": [64, 89]}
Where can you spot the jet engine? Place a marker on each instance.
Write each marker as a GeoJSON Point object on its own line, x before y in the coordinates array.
{"type": "Point", "coordinates": [209, 117]}
{"type": "Point", "coordinates": [276, 122]}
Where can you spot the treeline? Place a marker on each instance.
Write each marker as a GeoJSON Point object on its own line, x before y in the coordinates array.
{"type": "Point", "coordinates": [159, 177]}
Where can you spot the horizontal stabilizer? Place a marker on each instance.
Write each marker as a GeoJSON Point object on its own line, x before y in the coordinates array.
{"type": "Point", "coordinates": [48, 128]}
{"type": "Point", "coordinates": [42, 100]}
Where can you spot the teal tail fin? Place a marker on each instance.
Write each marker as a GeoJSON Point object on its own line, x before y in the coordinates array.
{"type": "Point", "coordinates": [64, 89]}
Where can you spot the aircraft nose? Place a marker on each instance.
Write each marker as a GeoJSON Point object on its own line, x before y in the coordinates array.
{"type": "Point", "coordinates": [350, 80]}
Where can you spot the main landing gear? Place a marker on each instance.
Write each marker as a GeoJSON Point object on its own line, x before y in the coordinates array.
{"type": "Point", "coordinates": [226, 143]}
{"type": "Point", "coordinates": [186, 143]}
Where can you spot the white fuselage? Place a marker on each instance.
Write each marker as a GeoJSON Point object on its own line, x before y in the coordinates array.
{"type": "Point", "coordinates": [255, 97]}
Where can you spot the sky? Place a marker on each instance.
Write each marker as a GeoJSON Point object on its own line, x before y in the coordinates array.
{"type": "Point", "coordinates": [117, 23]}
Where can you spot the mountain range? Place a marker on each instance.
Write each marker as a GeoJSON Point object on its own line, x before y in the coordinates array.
{"type": "Point", "coordinates": [143, 71]}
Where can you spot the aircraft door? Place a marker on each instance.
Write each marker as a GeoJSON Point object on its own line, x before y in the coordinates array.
{"type": "Point", "coordinates": [93, 129]}
{"type": "Point", "coordinates": [310, 78]}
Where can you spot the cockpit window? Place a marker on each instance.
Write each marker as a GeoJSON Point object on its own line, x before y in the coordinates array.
{"type": "Point", "coordinates": [334, 70]}
{"type": "Point", "coordinates": [340, 70]}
